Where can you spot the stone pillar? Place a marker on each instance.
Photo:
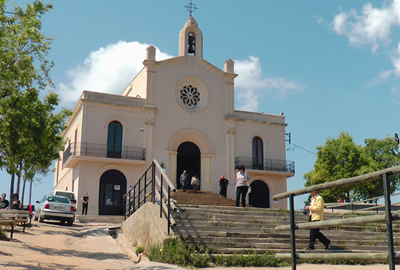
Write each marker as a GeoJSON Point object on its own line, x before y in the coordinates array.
{"type": "Point", "coordinates": [205, 172]}
{"type": "Point", "coordinates": [172, 165]}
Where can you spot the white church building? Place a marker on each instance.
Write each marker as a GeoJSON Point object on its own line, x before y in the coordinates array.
{"type": "Point", "coordinates": [179, 111]}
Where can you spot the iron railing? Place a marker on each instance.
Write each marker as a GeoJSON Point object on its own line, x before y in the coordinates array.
{"type": "Point", "coordinates": [100, 150]}
{"type": "Point", "coordinates": [267, 165]}
{"type": "Point", "coordinates": [153, 186]}
{"type": "Point", "coordinates": [388, 217]}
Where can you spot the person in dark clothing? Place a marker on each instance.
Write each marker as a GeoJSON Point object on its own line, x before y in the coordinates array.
{"type": "Point", "coordinates": [223, 184]}
{"type": "Point", "coordinates": [85, 203]}
{"type": "Point", "coordinates": [16, 203]}
{"type": "Point", "coordinates": [4, 202]}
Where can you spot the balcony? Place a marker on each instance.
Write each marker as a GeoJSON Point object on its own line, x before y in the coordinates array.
{"type": "Point", "coordinates": [269, 164]}
{"type": "Point", "coordinates": [100, 151]}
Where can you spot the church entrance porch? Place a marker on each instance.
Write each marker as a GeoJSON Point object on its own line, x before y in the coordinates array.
{"type": "Point", "coordinates": [112, 190]}
{"type": "Point", "coordinates": [188, 159]}
{"type": "Point", "coordinates": [259, 195]}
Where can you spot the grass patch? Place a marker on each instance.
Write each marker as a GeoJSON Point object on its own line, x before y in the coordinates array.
{"type": "Point", "coordinates": [251, 259]}
{"type": "Point", "coordinates": [173, 251]}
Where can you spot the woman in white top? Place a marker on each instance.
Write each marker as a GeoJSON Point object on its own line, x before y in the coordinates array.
{"type": "Point", "coordinates": [241, 185]}
{"type": "Point", "coordinates": [195, 182]}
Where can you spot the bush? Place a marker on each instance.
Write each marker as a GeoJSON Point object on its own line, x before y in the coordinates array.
{"type": "Point", "coordinates": [173, 251]}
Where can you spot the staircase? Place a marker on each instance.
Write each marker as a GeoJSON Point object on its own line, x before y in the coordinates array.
{"type": "Point", "coordinates": [213, 221]}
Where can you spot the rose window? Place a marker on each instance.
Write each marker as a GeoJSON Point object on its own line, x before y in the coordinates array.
{"type": "Point", "coordinates": [190, 96]}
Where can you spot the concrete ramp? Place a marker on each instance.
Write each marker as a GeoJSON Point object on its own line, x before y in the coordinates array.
{"type": "Point", "coordinates": [145, 226]}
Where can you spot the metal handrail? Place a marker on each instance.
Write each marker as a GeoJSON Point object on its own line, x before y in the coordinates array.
{"type": "Point", "coordinates": [333, 206]}
{"type": "Point", "coordinates": [267, 164]}
{"type": "Point", "coordinates": [101, 150]}
{"type": "Point", "coordinates": [160, 186]}
{"type": "Point", "coordinates": [377, 175]}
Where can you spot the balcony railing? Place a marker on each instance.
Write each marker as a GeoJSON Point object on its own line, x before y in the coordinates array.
{"type": "Point", "coordinates": [100, 150]}
{"type": "Point", "coordinates": [268, 164]}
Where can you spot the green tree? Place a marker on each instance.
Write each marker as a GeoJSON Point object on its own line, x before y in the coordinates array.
{"type": "Point", "coordinates": [29, 127]}
{"type": "Point", "coordinates": [341, 158]}
{"type": "Point", "coordinates": [381, 154]}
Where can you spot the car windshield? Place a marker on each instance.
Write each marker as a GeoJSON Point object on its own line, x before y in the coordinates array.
{"type": "Point", "coordinates": [57, 199]}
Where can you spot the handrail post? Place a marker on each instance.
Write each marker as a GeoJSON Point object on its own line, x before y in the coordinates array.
{"type": "Point", "coordinates": [144, 188]}
{"type": "Point", "coordinates": [169, 210]}
{"type": "Point", "coordinates": [161, 196]}
{"type": "Point", "coordinates": [153, 184]}
{"type": "Point", "coordinates": [292, 232]}
{"type": "Point", "coordinates": [388, 214]}
{"type": "Point", "coordinates": [133, 199]}
{"type": "Point", "coordinates": [139, 192]}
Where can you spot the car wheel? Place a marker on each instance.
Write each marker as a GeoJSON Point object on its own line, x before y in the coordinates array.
{"type": "Point", "coordinates": [35, 218]}
{"type": "Point", "coordinates": [70, 222]}
{"type": "Point", "coordinates": [41, 219]}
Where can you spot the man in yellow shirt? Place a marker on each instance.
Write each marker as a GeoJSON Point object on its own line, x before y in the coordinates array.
{"type": "Point", "coordinates": [316, 212]}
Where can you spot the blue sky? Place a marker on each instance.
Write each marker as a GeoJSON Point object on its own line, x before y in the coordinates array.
{"type": "Point", "coordinates": [329, 66]}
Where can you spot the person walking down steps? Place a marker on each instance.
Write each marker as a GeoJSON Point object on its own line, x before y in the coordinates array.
{"type": "Point", "coordinates": [316, 213]}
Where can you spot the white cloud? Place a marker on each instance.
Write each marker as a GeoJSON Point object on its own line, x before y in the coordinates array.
{"type": "Point", "coordinates": [251, 84]}
{"type": "Point", "coordinates": [396, 60]}
{"type": "Point", "coordinates": [372, 27]}
{"type": "Point", "coordinates": [396, 95]}
{"type": "Point", "coordinates": [107, 70]}
{"type": "Point", "coordinates": [383, 76]}
{"type": "Point", "coordinates": [110, 69]}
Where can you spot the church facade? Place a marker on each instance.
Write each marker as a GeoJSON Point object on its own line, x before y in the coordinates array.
{"type": "Point", "coordinates": [179, 111]}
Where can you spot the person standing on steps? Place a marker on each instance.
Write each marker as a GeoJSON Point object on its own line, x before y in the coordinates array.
{"type": "Point", "coordinates": [183, 180]}
{"type": "Point", "coordinates": [241, 185]}
{"type": "Point", "coordinates": [223, 184]}
{"type": "Point", "coordinates": [85, 203]}
{"type": "Point", "coordinates": [195, 182]}
{"type": "Point", "coordinates": [316, 213]}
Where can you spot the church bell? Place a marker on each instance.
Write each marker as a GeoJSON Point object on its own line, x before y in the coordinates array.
{"type": "Point", "coordinates": [191, 43]}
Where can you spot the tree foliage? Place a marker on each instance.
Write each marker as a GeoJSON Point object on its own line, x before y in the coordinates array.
{"type": "Point", "coordinates": [29, 128]}
{"type": "Point", "coordinates": [341, 158]}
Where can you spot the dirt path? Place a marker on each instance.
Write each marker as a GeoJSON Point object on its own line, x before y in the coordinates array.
{"type": "Point", "coordinates": [50, 245]}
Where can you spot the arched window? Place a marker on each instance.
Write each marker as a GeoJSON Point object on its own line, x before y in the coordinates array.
{"type": "Point", "coordinates": [258, 154]}
{"type": "Point", "coordinates": [114, 140]}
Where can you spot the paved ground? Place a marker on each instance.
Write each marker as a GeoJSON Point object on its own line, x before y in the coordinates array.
{"type": "Point", "coordinates": [50, 245]}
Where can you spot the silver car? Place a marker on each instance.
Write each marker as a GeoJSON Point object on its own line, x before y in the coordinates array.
{"type": "Point", "coordinates": [55, 207]}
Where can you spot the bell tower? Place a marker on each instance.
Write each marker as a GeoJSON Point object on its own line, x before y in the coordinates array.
{"type": "Point", "coordinates": [191, 39]}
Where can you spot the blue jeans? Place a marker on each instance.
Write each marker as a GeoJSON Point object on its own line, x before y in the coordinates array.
{"type": "Point", "coordinates": [241, 191]}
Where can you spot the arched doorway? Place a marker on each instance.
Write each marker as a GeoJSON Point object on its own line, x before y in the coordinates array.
{"type": "Point", "coordinates": [188, 159]}
{"type": "Point", "coordinates": [112, 190]}
{"type": "Point", "coordinates": [259, 195]}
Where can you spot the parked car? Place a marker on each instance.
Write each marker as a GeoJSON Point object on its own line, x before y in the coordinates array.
{"type": "Point", "coordinates": [69, 194]}
{"type": "Point", "coordinates": [55, 207]}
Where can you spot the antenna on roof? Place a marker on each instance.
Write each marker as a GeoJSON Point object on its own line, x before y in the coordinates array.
{"type": "Point", "coordinates": [191, 8]}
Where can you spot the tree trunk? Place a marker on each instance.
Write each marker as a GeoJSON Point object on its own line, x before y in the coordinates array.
{"type": "Point", "coordinates": [12, 185]}
{"type": "Point", "coordinates": [30, 191]}
{"type": "Point", "coordinates": [23, 193]}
